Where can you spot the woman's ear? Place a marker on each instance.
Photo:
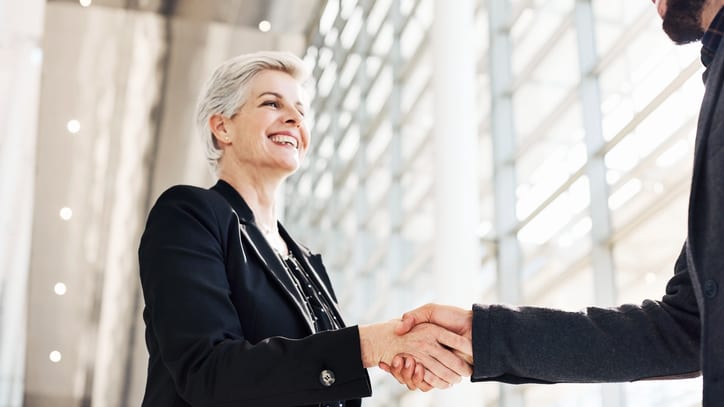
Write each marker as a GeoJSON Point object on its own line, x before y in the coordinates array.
{"type": "Point", "coordinates": [217, 124]}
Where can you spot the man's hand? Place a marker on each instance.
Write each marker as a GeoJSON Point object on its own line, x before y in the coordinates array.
{"type": "Point", "coordinates": [453, 319]}
{"type": "Point", "coordinates": [458, 320]}
{"type": "Point", "coordinates": [426, 344]}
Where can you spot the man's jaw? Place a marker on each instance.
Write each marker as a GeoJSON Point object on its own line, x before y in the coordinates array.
{"type": "Point", "coordinates": [682, 19]}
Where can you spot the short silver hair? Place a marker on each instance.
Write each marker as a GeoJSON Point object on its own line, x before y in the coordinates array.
{"type": "Point", "coordinates": [227, 89]}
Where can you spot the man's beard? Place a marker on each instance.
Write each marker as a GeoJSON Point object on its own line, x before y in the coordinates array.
{"type": "Point", "coordinates": [682, 21]}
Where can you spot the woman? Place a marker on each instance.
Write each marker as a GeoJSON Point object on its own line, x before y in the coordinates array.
{"type": "Point", "coordinates": [237, 312]}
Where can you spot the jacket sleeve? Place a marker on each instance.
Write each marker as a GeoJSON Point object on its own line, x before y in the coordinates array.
{"type": "Point", "coordinates": [197, 331]}
{"type": "Point", "coordinates": [627, 343]}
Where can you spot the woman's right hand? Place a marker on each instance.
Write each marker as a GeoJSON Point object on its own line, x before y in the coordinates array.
{"type": "Point", "coordinates": [428, 345]}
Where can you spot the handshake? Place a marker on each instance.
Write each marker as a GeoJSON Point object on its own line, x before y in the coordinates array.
{"type": "Point", "coordinates": [431, 347]}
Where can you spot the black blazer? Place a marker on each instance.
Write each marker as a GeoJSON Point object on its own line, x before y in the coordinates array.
{"type": "Point", "coordinates": [224, 324]}
{"type": "Point", "coordinates": [681, 335]}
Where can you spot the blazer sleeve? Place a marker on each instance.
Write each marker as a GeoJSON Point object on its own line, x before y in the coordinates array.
{"type": "Point", "coordinates": [197, 328]}
{"type": "Point", "coordinates": [656, 339]}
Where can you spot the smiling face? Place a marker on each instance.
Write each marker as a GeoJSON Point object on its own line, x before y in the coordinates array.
{"type": "Point", "coordinates": [682, 19]}
{"type": "Point", "coordinates": [268, 134]}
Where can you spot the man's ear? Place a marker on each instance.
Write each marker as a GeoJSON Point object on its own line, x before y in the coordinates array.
{"type": "Point", "coordinates": [217, 124]}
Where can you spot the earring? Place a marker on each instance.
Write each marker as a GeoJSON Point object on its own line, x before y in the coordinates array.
{"type": "Point", "coordinates": [227, 138]}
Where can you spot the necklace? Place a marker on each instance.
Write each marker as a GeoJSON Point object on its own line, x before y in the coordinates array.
{"type": "Point", "coordinates": [272, 237]}
{"type": "Point", "coordinates": [265, 229]}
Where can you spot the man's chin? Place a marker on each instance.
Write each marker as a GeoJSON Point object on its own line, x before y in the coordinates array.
{"type": "Point", "coordinates": [683, 35]}
{"type": "Point", "coordinates": [682, 20]}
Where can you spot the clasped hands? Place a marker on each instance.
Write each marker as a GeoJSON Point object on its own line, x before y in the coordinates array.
{"type": "Point", "coordinates": [431, 347]}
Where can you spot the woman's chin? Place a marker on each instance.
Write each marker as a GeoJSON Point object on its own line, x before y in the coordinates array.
{"type": "Point", "coordinates": [289, 167]}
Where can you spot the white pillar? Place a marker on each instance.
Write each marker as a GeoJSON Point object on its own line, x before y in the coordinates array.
{"type": "Point", "coordinates": [138, 133]}
{"type": "Point", "coordinates": [457, 247]}
{"type": "Point", "coordinates": [21, 27]}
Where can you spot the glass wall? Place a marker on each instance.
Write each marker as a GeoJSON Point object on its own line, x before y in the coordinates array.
{"type": "Point", "coordinates": [586, 122]}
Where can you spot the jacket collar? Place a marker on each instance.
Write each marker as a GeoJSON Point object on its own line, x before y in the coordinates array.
{"type": "Point", "coordinates": [235, 200]}
{"type": "Point", "coordinates": [251, 233]}
{"type": "Point", "coordinates": [714, 78]}
{"type": "Point", "coordinates": [711, 39]}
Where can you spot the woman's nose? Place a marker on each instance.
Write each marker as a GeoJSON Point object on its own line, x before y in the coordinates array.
{"type": "Point", "coordinates": [294, 117]}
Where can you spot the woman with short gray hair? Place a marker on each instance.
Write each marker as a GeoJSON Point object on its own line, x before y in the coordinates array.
{"type": "Point", "coordinates": [228, 87]}
{"type": "Point", "coordinates": [237, 312]}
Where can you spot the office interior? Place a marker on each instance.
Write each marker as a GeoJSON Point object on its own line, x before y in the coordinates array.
{"type": "Point", "coordinates": [527, 152]}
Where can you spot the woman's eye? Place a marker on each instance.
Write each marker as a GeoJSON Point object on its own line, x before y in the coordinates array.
{"type": "Point", "coordinates": [270, 103]}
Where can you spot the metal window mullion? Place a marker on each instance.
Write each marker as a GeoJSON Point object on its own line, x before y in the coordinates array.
{"type": "Point", "coordinates": [618, 47]}
{"type": "Point", "coordinates": [542, 52]}
{"type": "Point", "coordinates": [333, 205]}
{"type": "Point", "coordinates": [509, 286]}
{"type": "Point", "coordinates": [590, 96]}
{"type": "Point", "coordinates": [504, 145]}
{"type": "Point", "coordinates": [362, 241]}
{"type": "Point", "coordinates": [612, 395]}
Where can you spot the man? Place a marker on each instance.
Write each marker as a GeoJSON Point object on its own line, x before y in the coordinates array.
{"type": "Point", "coordinates": [681, 335]}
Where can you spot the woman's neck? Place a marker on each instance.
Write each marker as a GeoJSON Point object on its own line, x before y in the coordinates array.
{"type": "Point", "coordinates": [259, 194]}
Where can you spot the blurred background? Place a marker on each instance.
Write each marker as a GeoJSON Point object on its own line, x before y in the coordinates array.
{"type": "Point", "coordinates": [519, 151]}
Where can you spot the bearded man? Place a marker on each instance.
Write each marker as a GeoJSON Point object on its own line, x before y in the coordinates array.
{"type": "Point", "coordinates": [680, 335]}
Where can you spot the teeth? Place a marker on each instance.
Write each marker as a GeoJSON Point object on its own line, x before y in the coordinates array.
{"type": "Point", "coordinates": [279, 138]}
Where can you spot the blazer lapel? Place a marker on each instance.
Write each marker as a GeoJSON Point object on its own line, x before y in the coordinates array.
{"type": "Point", "coordinates": [304, 255]}
{"type": "Point", "coordinates": [252, 236]}
{"type": "Point", "coordinates": [272, 263]}
{"type": "Point", "coordinates": [713, 82]}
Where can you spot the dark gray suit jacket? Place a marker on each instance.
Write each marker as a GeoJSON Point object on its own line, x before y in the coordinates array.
{"type": "Point", "coordinates": [225, 325]}
{"type": "Point", "coordinates": [680, 335]}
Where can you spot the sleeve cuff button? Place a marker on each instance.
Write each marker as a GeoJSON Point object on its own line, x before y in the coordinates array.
{"type": "Point", "coordinates": [326, 377]}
